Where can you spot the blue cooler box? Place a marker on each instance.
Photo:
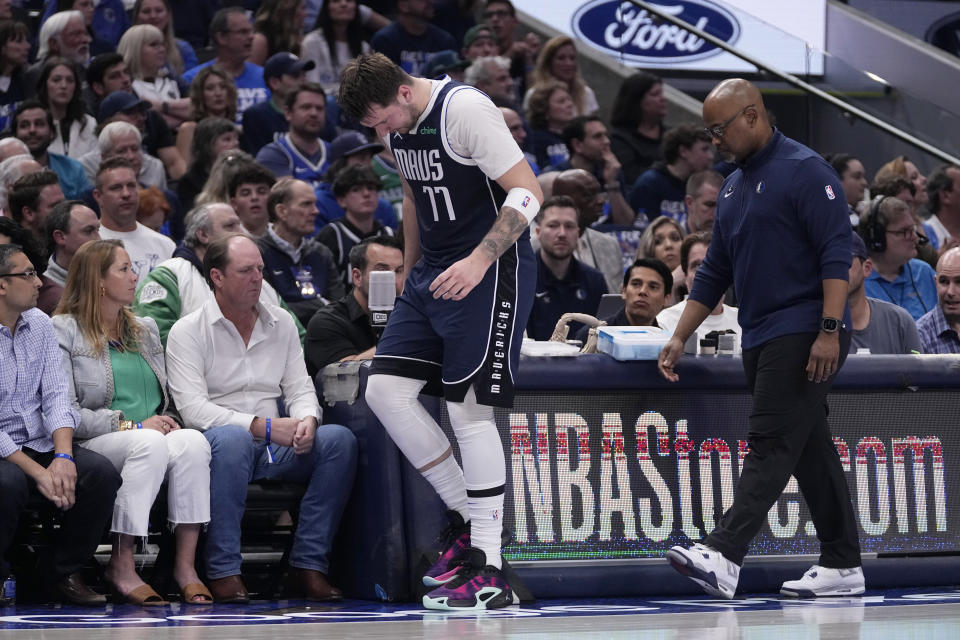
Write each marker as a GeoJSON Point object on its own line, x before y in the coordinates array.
{"type": "Point", "coordinates": [632, 343]}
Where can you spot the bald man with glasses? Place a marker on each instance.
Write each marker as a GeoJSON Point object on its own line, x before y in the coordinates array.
{"type": "Point", "coordinates": [781, 217]}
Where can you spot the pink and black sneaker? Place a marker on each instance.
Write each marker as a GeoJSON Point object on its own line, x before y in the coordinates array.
{"type": "Point", "coordinates": [454, 541]}
{"type": "Point", "coordinates": [474, 585]}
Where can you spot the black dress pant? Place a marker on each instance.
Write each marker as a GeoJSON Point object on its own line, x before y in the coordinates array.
{"type": "Point", "coordinates": [81, 526]}
{"type": "Point", "coordinates": [789, 435]}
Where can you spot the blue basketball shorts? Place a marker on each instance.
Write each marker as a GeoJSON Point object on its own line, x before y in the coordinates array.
{"type": "Point", "coordinates": [453, 344]}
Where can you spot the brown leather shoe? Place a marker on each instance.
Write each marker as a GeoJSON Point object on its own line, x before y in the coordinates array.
{"type": "Point", "coordinates": [314, 586]}
{"type": "Point", "coordinates": [229, 590]}
{"type": "Point", "coordinates": [74, 590]}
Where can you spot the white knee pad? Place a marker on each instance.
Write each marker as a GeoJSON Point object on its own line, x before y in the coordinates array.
{"type": "Point", "coordinates": [469, 418]}
{"type": "Point", "coordinates": [395, 401]}
{"type": "Point", "coordinates": [480, 448]}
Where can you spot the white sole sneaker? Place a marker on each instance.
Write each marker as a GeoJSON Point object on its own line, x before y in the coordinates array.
{"type": "Point", "coordinates": [820, 582]}
{"type": "Point", "coordinates": [690, 563]}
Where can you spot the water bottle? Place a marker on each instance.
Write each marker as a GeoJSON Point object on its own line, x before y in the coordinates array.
{"type": "Point", "coordinates": [9, 597]}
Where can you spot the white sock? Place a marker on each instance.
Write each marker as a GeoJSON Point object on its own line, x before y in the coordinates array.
{"type": "Point", "coordinates": [484, 471]}
{"type": "Point", "coordinates": [395, 401]}
{"type": "Point", "coordinates": [486, 526]}
{"type": "Point", "coordinates": [447, 479]}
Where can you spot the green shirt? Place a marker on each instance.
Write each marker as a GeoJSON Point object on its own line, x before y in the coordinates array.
{"type": "Point", "coordinates": [136, 390]}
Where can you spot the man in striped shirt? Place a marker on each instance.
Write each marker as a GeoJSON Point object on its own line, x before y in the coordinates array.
{"type": "Point", "coordinates": [939, 327]}
{"type": "Point", "coordinates": [36, 438]}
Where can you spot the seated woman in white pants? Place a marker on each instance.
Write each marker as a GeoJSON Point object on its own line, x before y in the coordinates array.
{"type": "Point", "coordinates": [118, 381]}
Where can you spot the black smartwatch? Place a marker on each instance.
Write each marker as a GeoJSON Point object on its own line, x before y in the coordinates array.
{"type": "Point", "coordinates": [830, 325]}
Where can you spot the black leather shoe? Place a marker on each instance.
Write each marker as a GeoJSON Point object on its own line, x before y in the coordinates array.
{"type": "Point", "coordinates": [74, 590]}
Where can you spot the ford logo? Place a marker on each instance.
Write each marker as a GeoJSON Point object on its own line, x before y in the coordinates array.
{"type": "Point", "coordinates": [637, 36]}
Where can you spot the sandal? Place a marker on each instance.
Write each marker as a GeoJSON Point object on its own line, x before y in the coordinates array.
{"type": "Point", "coordinates": [195, 589]}
{"type": "Point", "coordinates": [144, 596]}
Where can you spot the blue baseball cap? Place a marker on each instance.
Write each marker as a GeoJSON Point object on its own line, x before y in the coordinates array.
{"type": "Point", "coordinates": [119, 101]}
{"type": "Point", "coordinates": [351, 142]}
{"type": "Point", "coordinates": [285, 62]}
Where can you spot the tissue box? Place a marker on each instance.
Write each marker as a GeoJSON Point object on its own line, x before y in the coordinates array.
{"type": "Point", "coordinates": [632, 343]}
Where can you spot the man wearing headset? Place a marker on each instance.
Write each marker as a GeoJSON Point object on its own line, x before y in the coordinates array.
{"type": "Point", "coordinates": [468, 198]}
{"type": "Point", "coordinates": [891, 235]}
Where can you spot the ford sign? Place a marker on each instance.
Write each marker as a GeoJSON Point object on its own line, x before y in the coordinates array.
{"type": "Point", "coordinates": [637, 36]}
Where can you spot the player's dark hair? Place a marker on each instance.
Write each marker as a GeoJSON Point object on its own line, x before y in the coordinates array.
{"type": "Point", "coordinates": [370, 80]}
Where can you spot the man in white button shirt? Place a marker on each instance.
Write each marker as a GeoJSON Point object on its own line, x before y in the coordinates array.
{"type": "Point", "coordinates": [228, 364]}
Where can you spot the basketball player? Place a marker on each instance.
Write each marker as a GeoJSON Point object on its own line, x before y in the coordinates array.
{"type": "Point", "coordinates": [469, 197]}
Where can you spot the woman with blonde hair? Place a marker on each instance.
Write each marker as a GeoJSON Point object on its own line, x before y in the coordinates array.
{"type": "Point", "coordinates": [224, 168]}
{"type": "Point", "coordinates": [902, 167]}
{"type": "Point", "coordinates": [558, 62]}
{"type": "Point", "coordinates": [117, 375]}
{"type": "Point", "coordinates": [180, 54]}
{"type": "Point", "coordinates": [144, 49]}
{"type": "Point", "coordinates": [277, 26]}
{"type": "Point", "coordinates": [662, 240]}
{"type": "Point", "coordinates": [213, 93]}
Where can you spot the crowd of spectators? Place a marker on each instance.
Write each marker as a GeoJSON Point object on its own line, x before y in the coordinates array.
{"type": "Point", "coordinates": [165, 163]}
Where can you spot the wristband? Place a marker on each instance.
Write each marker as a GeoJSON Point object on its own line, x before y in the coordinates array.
{"type": "Point", "coordinates": [269, 452]}
{"type": "Point", "coordinates": [65, 456]}
{"type": "Point", "coordinates": [139, 425]}
{"type": "Point", "coordinates": [612, 186]}
{"type": "Point", "coordinates": [523, 201]}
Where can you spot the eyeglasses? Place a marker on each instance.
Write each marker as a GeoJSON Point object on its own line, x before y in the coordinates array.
{"type": "Point", "coordinates": [718, 131]}
{"type": "Point", "coordinates": [244, 32]}
{"type": "Point", "coordinates": [29, 274]}
{"type": "Point", "coordinates": [904, 233]}
{"type": "Point", "coordinates": [496, 13]}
